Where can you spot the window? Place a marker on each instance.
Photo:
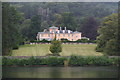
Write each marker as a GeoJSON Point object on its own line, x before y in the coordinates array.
{"type": "Point", "coordinates": [63, 34]}
{"type": "Point", "coordinates": [68, 34]}
{"type": "Point", "coordinates": [42, 35]}
{"type": "Point", "coordinates": [72, 34]}
{"type": "Point", "coordinates": [58, 34]}
{"type": "Point", "coordinates": [48, 35]}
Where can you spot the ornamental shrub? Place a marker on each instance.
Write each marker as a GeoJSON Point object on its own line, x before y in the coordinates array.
{"type": "Point", "coordinates": [55, 47]}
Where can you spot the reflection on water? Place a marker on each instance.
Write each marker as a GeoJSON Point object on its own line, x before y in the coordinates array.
{"type": "Point", "coordinates": [60, 72]}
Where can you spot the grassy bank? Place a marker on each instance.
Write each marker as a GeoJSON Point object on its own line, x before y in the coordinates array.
{"type": "Point", "coordinates": [60, 61]}
{"type": "Point", "coordinates": [68, 49]}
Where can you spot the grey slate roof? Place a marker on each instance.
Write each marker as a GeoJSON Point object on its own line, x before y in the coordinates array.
{"type": "Point", "coordinates": [53, 27]}
{"type": "Point", "coordinates": [77, 32]}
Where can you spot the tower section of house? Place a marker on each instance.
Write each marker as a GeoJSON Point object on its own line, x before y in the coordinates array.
{"type": "Point", "coordinates": [50, 33]}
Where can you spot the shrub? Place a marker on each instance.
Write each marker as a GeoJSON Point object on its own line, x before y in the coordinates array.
{"type": "Point", "coordinates": [56, 47]}
{"type": "Point", "coordinates": [31, 61]}
{"type": "Point", "coordinates": [23, 62]}
{"type": "Point", "coordinates": [4, 61]}
{"type": "Point", "coordinates": [9, 62]}
{"type": "Point", "coordinates": [42, 41]}
{"type": "Point", "coordinates": [59, 61]}
{"type": "Point", "coordinates": [102, 61]}
{"type": "Point", "coordinates": [54, 61]}
{"type": "Point", "coordinates": [77, 61]}
{"type": "Point", "coordinates": [89, 60]}
{"type": "Point", "coordinates": [115, 61]}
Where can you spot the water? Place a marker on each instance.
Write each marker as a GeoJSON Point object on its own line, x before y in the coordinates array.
{"type": "Point", "coordinates": [60, 72]}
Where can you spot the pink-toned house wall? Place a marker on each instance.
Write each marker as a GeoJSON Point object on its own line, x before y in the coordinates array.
{"type": "Point", "coordinates": [50, 35]}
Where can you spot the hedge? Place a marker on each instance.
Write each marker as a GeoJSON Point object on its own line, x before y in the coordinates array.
{"type": "Point", "coordinates": [59, 61]}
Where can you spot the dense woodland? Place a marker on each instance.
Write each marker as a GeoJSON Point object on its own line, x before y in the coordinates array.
{"type": "Point", "coordinates": [22, 21]}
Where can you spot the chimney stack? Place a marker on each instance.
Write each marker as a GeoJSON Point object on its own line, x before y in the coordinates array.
{"type": "Point", "coordinates": [60, 28]}
{"type": "Point", "coordinates": [65, 28]}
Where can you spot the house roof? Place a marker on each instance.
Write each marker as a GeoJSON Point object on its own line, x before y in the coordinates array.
{"type": "Point", "coordinates": [77, 32]}
{"type": "Point", "coordinates": [53, 27]}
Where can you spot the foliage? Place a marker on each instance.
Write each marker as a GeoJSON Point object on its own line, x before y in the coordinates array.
{"type": "Point", "coordinates": [54, 61]}
{"type": "Point", "coordinates": [50, 61]}
{"type": "Point", "coordinates": [68, 20]}
{"type": "Point", "coordinates": [27, 19]}
{"type": "Point", "coordinates": [55, 47]}
{"type": "Point", "coordinates": [89, 28]}
{"type": "Point", "coordinates": [59, 61]}
{"type": "Point", "coordinates": [77, 61]}
{"type": "Point", "coordinates": [70, 15]}
{"type": "Point", "coordinates": [35, 27]}
{"type": "Point", "coordinates": [25, 28]}
{"type": "Point", "coordinates": [108, 34]}
{"type": "Point", "coordinates": [92, 60]}
{"type": "Point", "coordinates": [11, 20]}
{"type": "Point", "coordinates": [66, 41]}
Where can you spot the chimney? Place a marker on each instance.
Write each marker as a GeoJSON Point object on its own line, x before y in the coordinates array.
{"type": "Point", "coordinates": [60, 28]}
{"type": "Point", "coordinates": [65, 28]}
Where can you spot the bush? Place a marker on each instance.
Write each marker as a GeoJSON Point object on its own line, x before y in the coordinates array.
{"type": "Point", "coordinates": [54, 61]}
{"type": "Point", "coordinates": [42, 41]}
{"type": "Point", "coordinates": [90, 60]}
{"type": "Point", "coordinates": [31, 61]}
{"type": "Point", "coordinates": [23, 62]}
{"type": "Point", "coordinates": [102, 61]}
{"type": "Point", "coordinates": [59, 61]}
{"type": "Point", "coordinates": [77, 61]}
{"type": "Point", "coordinates": [9, 62]}
{"type": "Point", "coordinates": [115, 61]}
{"type": "Point", "coordinates": [55, 47]}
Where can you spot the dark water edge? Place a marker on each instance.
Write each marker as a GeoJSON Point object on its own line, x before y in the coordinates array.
{"type": "Point", "coordinates": [60, 72]}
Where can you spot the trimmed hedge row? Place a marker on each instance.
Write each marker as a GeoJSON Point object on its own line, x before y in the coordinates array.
{"type": "Point", "coordinates": [59, 61]}
{"type": "Point", "coordinates": [66, 41]}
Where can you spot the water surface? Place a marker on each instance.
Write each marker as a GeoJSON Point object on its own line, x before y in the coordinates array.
{"type": "Point", "coordinates": [60, 72]}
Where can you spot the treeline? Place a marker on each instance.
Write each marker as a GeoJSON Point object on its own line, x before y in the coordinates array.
{"type": "Point", "coordinates": [84, 17]}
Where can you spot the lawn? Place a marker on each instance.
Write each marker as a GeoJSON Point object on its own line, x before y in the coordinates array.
{"type": "Point", "coordinates": [68, 49]}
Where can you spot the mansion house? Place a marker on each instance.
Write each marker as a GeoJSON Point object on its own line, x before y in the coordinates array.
{"type": "Point", "coordinates": [60, 34]}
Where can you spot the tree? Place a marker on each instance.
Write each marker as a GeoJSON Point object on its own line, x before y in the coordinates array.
{"type": "Point", "coordinates": [89, 28]}
{"type": "Point", "coordinates": [68, 20]}
{"type": "Point", "coordinates": [35, 27]}
{"type": "Point", "coordinates": [57, 20]}
{"type": "Point", "coordinates": [55, 47]}
{"type": "Point", "coordinates": [107, 41]}
{"type": "Point", "coordinates": [11, 38]}
{"type": "Point", "coordinates": [44, 25]}
{"type": "Point", "coordinates": [25, 28]}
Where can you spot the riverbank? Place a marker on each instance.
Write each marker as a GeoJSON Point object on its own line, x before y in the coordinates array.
{"type": "Point", "coordinates": [61, 61]}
